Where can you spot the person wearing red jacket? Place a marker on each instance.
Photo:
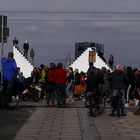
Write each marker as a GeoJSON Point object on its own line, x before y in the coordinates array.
{"type": "Point", "coordinates": [60, 78]}
{"type": "Point", "coordinates": [50, 85]}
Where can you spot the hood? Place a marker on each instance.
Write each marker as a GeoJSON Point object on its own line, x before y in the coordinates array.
{"type": "Point", "coordinates": [7, 60]}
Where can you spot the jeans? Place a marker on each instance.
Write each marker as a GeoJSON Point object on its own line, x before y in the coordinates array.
{"type": "Point", "coordinates": [50, 96]}
{"type": "Point", "coordinates": [69, 90]}
{"type": "Point", "coordinates": [61, 94]}
{"type": "Point", "coordinates": [114, 101]}
{"type": "Point", "coordinates": [92, 97]}
{"type": "Point", "coordinates": [26, 53]}
{"type": "Point", "coordinates": [8, 91]}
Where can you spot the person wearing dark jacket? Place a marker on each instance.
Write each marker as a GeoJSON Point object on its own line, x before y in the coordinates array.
{"type": "Point", "coordinates": [32, 55]}
{"type": "Point", "coordinates": [137, 83]}
{"type": "Point", "coordinates": [118, 80]}
{"type": "Point", "coordinates": [9, 73]}
{"type": "Point", "coordinates": [15, 42]}
{"type": "Point", "coordinates": [131, 85]}
{"type": "Point", "coordinates": [92, 90]}
{"type": "Point", "coordinates": [26, 48]}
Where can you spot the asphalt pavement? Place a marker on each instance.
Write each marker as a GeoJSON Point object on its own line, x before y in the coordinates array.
{"type": "Point", "coordinates": [11, 121]}
{"type": "Point", "coordinates": [34, 121]}
{"type": "Point", "coordinates": [73, 123]}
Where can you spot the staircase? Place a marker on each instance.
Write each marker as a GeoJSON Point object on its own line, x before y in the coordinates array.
{"type": "Point", "coordinates": [25, 66]}
{"type": "Point", "coordinates": [82, 64]}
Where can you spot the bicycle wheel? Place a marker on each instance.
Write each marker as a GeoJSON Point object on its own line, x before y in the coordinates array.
{"type": "Point", "coordinates": [102, 101]}
{"type": "Point", "coordinates": [87, 105]}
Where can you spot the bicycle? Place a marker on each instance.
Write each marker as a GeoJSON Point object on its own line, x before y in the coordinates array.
{"type": "Point", "coordinates": [33, 92]}
{"type": "Point", "coordinates": [95, 103]}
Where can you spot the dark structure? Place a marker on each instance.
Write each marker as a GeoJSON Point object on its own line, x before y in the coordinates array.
{"type": "Point", "coordinates": [4, 30]}
{"type": "Point", "coordinates": [80, 47]}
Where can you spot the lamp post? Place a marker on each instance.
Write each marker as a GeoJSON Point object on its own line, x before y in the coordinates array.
{"type": "Point", "coordinates": [2, 44]}
{"type": "Point", "coordinates": [4, 32]}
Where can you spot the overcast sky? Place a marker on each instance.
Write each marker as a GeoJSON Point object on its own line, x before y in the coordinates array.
{"type": "Point", "coordinates": [53, 35]}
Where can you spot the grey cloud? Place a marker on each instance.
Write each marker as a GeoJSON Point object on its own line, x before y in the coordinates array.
{"type": "Point", "coordinates": [54, 39]}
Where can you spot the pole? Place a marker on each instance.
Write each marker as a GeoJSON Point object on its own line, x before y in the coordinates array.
{"type": "Point", "coordinates": [2, 49]}
{"type": "Point", "coordinates": [2, 44]}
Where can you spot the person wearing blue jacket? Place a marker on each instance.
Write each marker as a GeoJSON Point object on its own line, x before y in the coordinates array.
{"type": "Point", "coordinates": [9, 73]}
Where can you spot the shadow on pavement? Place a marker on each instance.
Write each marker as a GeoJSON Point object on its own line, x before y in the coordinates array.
{"type": "Point", "coordinates": [12, 120]}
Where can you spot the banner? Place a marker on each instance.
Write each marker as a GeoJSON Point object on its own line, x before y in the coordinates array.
{"type": "Point", "coordinates": [92, 57]}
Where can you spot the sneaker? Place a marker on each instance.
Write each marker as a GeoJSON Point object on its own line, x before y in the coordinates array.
{"type": "Point", "coordinates": [124, 114]}
{"type": "Point", "coordinates": [136, 102]}
{"type": "Point", "coordinates": [127, 105]}
{"type": "Point", "coordinates": [25, 91]}
{"type": "Point", "coordinates": [112, 115]}
{"type": "Point", "coordinates": [72, 100]}
{"type": "Point", "coordinates": [90, 114]}
{"type": "Point", "coordinates": [68, 100]}
{"type": "Point", "coordinates": [83, 100]}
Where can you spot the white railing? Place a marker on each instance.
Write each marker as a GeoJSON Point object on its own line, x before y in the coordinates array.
{"type": "Point", "coordinates": [25, 66]}
{"type": "Point", "coordinates": [82, 64]}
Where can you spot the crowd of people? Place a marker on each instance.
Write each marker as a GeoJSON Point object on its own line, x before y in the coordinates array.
{"type": "Point", "coordinates": [27, 49]}
{"type": "Point", "coordinates": [60, 85]}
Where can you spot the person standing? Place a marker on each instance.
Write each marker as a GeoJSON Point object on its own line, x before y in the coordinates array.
{"type": "Point", "coordinates": [137, 83]}
{"type": "Point", "coordinates": [9, 73]}
{"type": "Point", "coordinates": [111, 61]}
{"type": "Point", "coordinates": [26, 48]}
{"type": "Point", "coordinates": [50, 85]}
{"type": "Point", "coordinates": [15, 42]}
{"type": "Point", "coordinates": [43, 79]}
{"type": "Point", "coordinates": [118, 80]}
{"type": "Point", "coordinates": [35, 75]}
{"type": "Point", "coordinates": [60, 78]}
{"type": "Point", "coordinates": [93, 82]}
{"type": "Point", "coordinates": [70, 84]}
{"type": "Point", "coordinates": [32, 54]}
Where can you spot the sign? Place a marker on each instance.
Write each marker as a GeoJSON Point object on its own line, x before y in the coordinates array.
{"type": "Point", "coordinates": [92, 57]}
{"type": "Point", "coordinates": [4, 31]}
{"type": "Point", "coordinates": [4, 39]}
{"type": "Point", "coordinates": [4, 21]}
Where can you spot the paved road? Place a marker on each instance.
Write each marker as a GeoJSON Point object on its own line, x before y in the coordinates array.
{"type": "Point", "coordinates": [74, 124]}
{"type": "Point", "coordinates": [12, 120]}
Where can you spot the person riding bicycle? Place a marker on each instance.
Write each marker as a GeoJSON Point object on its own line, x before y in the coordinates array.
{"type": "Point", "coordinates": [93, 81]}
{"type": "Point", "coordinates": [118, 80]}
